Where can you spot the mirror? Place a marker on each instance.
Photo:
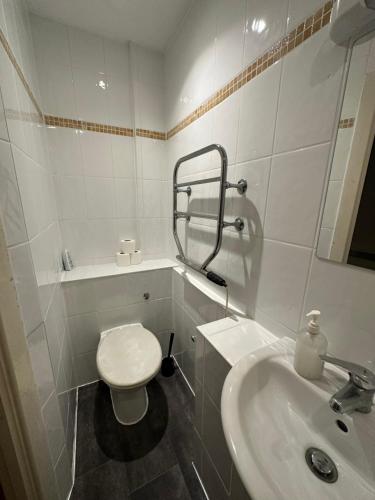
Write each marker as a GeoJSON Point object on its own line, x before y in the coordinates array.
{"type": "Point", "coordinates": [347, 232]}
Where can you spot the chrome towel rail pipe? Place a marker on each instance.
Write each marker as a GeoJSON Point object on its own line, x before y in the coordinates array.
{"type": "Point", "coordinates": [185, 187]}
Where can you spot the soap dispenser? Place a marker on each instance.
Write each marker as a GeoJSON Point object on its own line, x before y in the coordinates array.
{"type": "Point", "coordinates": [309, 346]}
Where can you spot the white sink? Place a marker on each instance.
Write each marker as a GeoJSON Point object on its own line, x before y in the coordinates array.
{"type": "Point", "coordinates": [271, 416]}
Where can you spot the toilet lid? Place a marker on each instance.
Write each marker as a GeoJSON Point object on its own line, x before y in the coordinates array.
{"type": "Point", "coordinates": [128, 356]}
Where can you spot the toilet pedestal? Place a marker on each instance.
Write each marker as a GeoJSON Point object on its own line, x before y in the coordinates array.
{"type": "Point", "coordinates": [130, 405]}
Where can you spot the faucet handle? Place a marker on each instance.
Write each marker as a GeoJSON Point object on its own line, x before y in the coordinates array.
{"type": "Point", "coordinates": [362, 377]}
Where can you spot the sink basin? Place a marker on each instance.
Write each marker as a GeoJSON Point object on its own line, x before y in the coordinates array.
{"type": "Point", "coordinates": [271, 416]}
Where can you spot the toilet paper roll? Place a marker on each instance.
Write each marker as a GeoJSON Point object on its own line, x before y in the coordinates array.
{"type": "Point", "coordinates": [136, 257]}
{"type": "Point", "coordinates": [123, 259]}
{"type": "Point", "coordinates": [127, 246]}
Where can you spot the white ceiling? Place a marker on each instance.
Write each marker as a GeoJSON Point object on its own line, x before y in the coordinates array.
{"type": "Point", "coordinates": [150, 23]}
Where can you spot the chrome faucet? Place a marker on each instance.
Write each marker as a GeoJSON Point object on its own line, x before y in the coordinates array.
{"type": "Point", "coordinates": [358, 393]}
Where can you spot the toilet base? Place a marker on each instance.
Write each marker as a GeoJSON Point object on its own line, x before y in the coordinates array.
{"type": "Point", "coordinates": [129, 406]}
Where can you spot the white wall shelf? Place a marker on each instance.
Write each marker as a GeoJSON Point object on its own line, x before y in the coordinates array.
{"type": "Point", "coordinates": [112, 269]}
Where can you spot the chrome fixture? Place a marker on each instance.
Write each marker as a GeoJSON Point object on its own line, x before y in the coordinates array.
{"type": "Point", "coordinates": [185, 187]}
{"type": "Point", "coordinates": [358, 393]}
{"type": "Point", "coordinates": [321, 465]}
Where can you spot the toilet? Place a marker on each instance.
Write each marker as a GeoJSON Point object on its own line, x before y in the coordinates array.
{"type": "Point", "coordinates": [128, 357]}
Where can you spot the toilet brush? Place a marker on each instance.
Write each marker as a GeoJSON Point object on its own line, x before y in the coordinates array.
{"type": "Point", "coordinates": [167, 365]}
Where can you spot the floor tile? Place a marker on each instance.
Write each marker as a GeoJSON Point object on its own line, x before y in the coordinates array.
{"type": "Point", "coordinates": [181, 437]}
{"type": "Point", "coordinates": [169, 486]}
{"type": "Point", "coordinates": [105, 482]}
{"type": "Point", "coordinates": [179, 396]}
{"type": "Point", "coordinates": [156, 451]}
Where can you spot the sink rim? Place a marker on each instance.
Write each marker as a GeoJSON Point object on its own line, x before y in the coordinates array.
{"type": "Point", "coordinates": [244, 460]}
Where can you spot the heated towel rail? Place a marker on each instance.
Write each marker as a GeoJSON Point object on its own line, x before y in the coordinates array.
{"type": "Point", "coordinates": [186, 188]}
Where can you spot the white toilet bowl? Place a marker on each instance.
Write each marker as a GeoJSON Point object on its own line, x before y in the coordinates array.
{"type": "Point", "coordinates": [128, 357]}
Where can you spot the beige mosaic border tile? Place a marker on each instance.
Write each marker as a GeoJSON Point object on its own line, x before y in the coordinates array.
{"type": "Point", "coordinates": [151, 134]}
{"type": "Point", "coordinates": [303, 31]}
{"type": "Point", "coordinates": [347, 123]}
{"type": "Point", "coordinates": [292, 40]}
{"type": "Point", "coordinates": [58, 121]}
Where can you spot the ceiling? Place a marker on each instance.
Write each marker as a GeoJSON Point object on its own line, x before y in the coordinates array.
{"type": "Point", "coordinates": [150, 23]}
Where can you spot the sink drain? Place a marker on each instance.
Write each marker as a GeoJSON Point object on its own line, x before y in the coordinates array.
{"type": "Point", "coordinates": [321, 465]}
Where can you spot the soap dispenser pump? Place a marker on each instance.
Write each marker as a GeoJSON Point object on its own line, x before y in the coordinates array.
{"type": "Point", "coordinates": [309, 346]}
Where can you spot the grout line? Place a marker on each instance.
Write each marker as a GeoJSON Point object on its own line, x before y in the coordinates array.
{"type": "Point", "coordinates": [183, 375]}
{"type": "Point", "coordinates": [200, 481]}
{"type": "Point", "coordinates": [74, 445]}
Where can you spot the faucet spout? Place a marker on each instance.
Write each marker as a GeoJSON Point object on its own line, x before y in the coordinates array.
{"type": "Point", "coordinates": [358, 392]}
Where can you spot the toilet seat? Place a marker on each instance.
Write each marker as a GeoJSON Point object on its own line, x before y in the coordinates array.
{"type": "Point", "coordinates": [128, 356]}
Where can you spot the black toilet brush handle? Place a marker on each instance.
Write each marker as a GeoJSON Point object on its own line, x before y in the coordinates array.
{"type": "Point", "coordinates": [170, 345]}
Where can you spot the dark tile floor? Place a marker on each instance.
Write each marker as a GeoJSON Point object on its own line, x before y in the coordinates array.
{"type": "Point", "coordinates": [151, 460]}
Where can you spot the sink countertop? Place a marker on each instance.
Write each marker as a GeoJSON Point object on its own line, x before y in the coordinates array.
{"type": "Point", "coordinates": [235, 337]}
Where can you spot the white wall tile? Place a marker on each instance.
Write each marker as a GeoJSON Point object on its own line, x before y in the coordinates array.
{"type": "Point", "coordinates": [103, 236]}
{"type": "Point", "coordinates": [345, 296]}
{"type": "Point", "coordinates": [51, 42]}
{"type": "Point", "coordinates": [26, 286]}
{"type": "Point", "coordinates": [300, 9]}
{"type": "Point", "coordinates": [79, 297]}
{"type": "Point", "coordinates": [65, 150]}
{"type": "Point", "coordinates": [294, 195]}
{"type": "Point", "coordinates": [85, 368]}
{"type": "Point", "coordinates": [77, 238]}
{"type": "Point", "coordinates": [92, 95]}
{"type": "Point", "coordinates": [309, 93]}
{"type": "Point", "coordinates": [57, 91]}
{"type": "Point", "coordinates": [250, 205]}
{"type": "Point", "coordinates": [9, 87]}
{"type": "Point", "coordinates": [54, 426]}
{"type": "Point", "coordinates": [46, 260]}
{"type": "Point", "coordinates": [216, 369]}
{"type": "Point", "coordinates": [126, 229]}
{"type": "Point", "coordinates": [258, 114]}
{"type": "Point", "coordinates": [84, 332]}
{"type": "Point", "coordinates": [41, 363]}
{"type": "Point", "coordinates": [87, 50]}
{"type": "Point", "coordinates": [125, 191]}
{"type": "Point", "coordinates": [153, 234]}
{"type": "Point", "coordinates": [229, 41]}
{"type": "Point", "coordinates": [123, 156]}
{"type": "Point", "coordinates": [225, 125]}
{"type": "Point", "coordinates": [282, 282]}
{"type": "Point", "coordinates": [97, 154]}
{"type": "Point", "coordinates": [151, 158]}
{"type": "Point", "coordinates": [100, 195]}
{"type": "Point", "coordinates": [71, 197]}
{"type": "Point", "coordinates": [3, 126]}
{"type": "Point", "coordinates": [10, 202]}
{"type": "Point", "coordinates": [265, 25]}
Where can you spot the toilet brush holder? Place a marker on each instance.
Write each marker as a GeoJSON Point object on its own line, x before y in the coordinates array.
{"type": "Point", "coordinates": [167, 365]}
